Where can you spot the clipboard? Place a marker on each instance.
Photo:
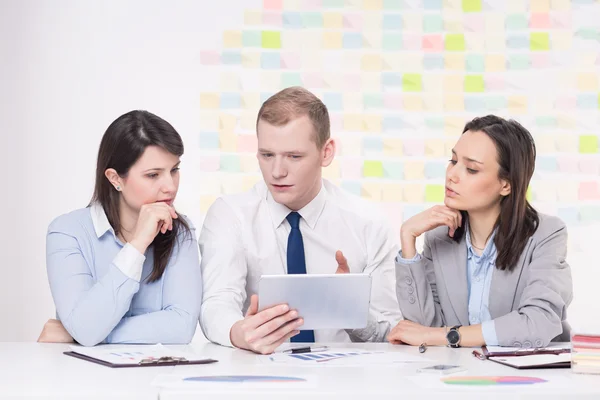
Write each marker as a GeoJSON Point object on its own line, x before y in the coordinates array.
{"type": "Point", "coordinates": [538, 358]}
{"type": "Point", "coordinates": [139, 356]}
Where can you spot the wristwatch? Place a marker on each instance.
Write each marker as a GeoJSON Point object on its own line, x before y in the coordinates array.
{"type": "Point", "coordinates": [453, 337]}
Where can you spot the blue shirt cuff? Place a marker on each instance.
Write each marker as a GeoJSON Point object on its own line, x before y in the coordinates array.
{"type": "Point", "coordinates": [400, 259]}
{"type": "Point", "coordinates": [488, 328]}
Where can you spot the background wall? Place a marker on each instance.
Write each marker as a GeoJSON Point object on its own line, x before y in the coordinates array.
{"type": "Point", "coordinates": [400, 79]}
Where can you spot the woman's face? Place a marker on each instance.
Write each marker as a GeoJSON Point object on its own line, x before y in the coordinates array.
{"type": "Point", "coordinates": [153, 178]}
{"type": "Point", "coordinates": [472, 182]}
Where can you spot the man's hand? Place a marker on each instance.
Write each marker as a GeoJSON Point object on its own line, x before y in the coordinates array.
{"type": "Point", "coordinates": [342, 263]}
{"type": "Point", "coordinates": [262, 332]}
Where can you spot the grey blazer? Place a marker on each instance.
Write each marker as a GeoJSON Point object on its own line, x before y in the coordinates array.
{"type": "Point", "coordinates": [528, 305]}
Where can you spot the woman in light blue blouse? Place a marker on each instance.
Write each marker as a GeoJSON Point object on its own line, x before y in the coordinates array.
{"type": "Point", "coordinates": [126, 269]}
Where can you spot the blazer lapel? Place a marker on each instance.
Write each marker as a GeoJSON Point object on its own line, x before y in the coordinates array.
{"type": "Point", "coordinates": [452, 258]}
{"type": "Point", "coordinates": [504, 286]}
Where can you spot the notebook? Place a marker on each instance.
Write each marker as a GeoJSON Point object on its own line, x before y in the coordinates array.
{"type": "Point", "coordinates": [557, 356]}
{"type": "Point", "coordinates": [136, 356]}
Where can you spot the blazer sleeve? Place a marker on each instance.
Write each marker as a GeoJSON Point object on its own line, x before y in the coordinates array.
{"type": "Point", "coordinates": [543, 304]}
{"type": "Point", "coordinates": [416, 289]}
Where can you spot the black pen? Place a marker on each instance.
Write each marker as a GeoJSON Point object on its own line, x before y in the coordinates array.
{"type": "Point", "coordinates": [307, 349]}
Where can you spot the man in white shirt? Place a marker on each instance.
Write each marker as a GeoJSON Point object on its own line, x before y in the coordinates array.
{"type": "Point", "coordinates": [325, 229]}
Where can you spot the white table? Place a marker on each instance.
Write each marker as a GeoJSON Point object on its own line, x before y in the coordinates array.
{"type": "Point", "coordinates": [41, 371]}
{"type": "Point", "coordinates": [377, 382]}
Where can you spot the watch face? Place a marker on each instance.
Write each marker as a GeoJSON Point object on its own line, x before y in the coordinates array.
{"type": "Point", "coordinates": [453, 337]}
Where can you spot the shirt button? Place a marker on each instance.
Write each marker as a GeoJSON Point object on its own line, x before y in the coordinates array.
{"type": "Point", "coordinates": [408, 281]}
{"type": "Point", "coordinates": [411, 299]}
{"type": "Point", "coordinates": [473, 320]}
{"type": "Point", "coordinates": [538, 343]}
{"type": "Point", "coordinates": [517, 344]}
{"type": "Point", "coordinates": [527, 344]}
{"type": "Point", "coordinates": [410, 290]}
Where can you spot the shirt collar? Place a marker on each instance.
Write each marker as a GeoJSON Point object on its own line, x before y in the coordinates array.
{"type": "Point", "coordinates": [489, 252]}
{"type": "Point", "coordinates": [310, 212]}
{"type": "Point", "coordinates": [100, 220]}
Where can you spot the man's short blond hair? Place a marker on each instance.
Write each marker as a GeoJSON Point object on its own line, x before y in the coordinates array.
{"type": "Point", "coordinates": [295, 102]}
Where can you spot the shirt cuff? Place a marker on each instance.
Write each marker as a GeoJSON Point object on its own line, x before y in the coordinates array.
{"type": "Point", "coordinates": [488, 329]}
{"type": "Point", "coordinates": [130, 261]}
{"type": "Point", "coordinates": [400, 259]}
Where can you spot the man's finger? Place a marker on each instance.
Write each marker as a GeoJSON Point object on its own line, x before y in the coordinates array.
{"type": "Point", "coordinates": [342, 263]}
{"type": "Point", "coordinates": [253, 309]}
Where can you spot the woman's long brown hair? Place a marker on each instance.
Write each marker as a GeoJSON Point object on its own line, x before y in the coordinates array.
{"type": "Point", "coordinates": [122, 145]}
{"type": "Point", "coordinates": [518, 220]}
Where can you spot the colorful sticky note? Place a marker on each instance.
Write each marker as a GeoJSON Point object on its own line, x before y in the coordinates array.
{"type": "Point", "coordinates": [392, 192]}
{"type": "Point", "coordinates": [435, 170]}
{"type": "Point", "coordinates": [292, 20]}
{"type": "Point", "coordinates": [270, 61]}
{"type": "Point", "coordinates": [333, 20]}
{"type": "Point", "coordinates": [353, 187]}
{"type": "Point", "coordinates": [474, 83]}
{"type": "Point", "coordinates": [392, 22]}
{"type": "Point", "coordinates": [392, 41]}
{"type": "Point", "coordinates": [353, 21]}
{"type": "Point", "coordinates": [412, 102]}
{"type": "Point", "coordinates": [414, 170]}
{"type": "Point", "coordinates": [312, 19]}
{"type": "Point", "coordinates": [371, 62]}
{"type": "Point", "coordinates": [209, 57]}
{"type": "Point", "coordinates": [247, 143]}
{"type": "Point", "coordinates": [412, 83]}
{"type": "Point", "coordinates": [209, 100]}
{"type": "Point", "coordinates": [539, 21]}
{"type": "Point", "coordinates": [539, 5]}
{"type": "Point", "coordinates": [332, 40]}
{"type": "Point", "coordinates": [433, 23]}
{"type": "Point", "coordinates": [227, 122]}
{"type": "Point", "coordinates": [413, 193]}
{"type": "Point", "coordinates": [475, 63]}
{"type": "Point", "coordinates": [353, 122]}
{"type": "Point", "coordinates": [249, 163]}
{"type": "Point", "coordinates": [372, 123]}
{"type": "Point", "coordinates": [434, 148]}
{"type": "Point", "coordinates": [352, 40]}
{"type": "Point", "coordinates": [455, 42]}
{"type": "Point", "coordinates": [333, 171]}
{"type": "Point", "coordinates": [434, 193]}
{"type": "Point", "coordinates": [372, 168]}
{"type": "Point", "coordinates": [393, 169]}
{"type": "Point", "coordinates": [209, 140]}
{"type": "Point", "coordinates": [414, 147]}
{"type": "Point", "coordinates": [433, 43]}
{"type": "Point", "coordinates": [249, 181]}
{"type": "Point", "coordinates": [452, 85]}
{"type": "Point", "coordinates": [271, 39]}
{"type": "Point", "coordinates": [230, 163]}
{"type": "Point", "coordinates": [209, 121]}
{"type": "Point", "coordinates": [454, 61]}
{"type": "Point", "coordinates": [539, 41]}
{"type": "Point", "coordinates": [372, 191]}
{"type": "Point", "coordinates": [227, 142]}
{"type": "Point", "coordinates": [372, 4]}
{"type": "Point", "coordinates": [350, 146]}
{"type": "Point", "coordinates": [250, 59]}
{"type": "Point", "coordinates": [392, 147]}
{"type": "Point", "coordinates": [587, 82]}
{"type": "Point", "coordinates": [272, 19]}
{"type": "Point", "coordinates": [454, 102]}
{"type": "Point", "coordinates": [471, 5]}
{"type": "Point", "coordinates": [252, 17]}
{"type": "Point", "coordinates": [372, 146]}
{"type": "Point", "coordinates": [272, 4]}
{"type": "Point", "coordinates": [588, 144]}
{"type": "Point", "coordinates": [372, 101]}
{"type": "Point", "coordinates": [433, 103]}
{"type": "Point", "coordinates": [433, 61]}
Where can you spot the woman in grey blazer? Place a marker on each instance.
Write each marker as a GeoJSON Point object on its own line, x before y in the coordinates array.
{"type": "Point", "coordinates": [493, 269]}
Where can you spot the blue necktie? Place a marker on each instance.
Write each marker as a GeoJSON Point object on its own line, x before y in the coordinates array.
{"type": "Point", "coordinates": [296, 264]}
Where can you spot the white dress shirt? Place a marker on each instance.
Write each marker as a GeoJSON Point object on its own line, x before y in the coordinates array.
{"type": "Point", "coordinates": [245, 236]}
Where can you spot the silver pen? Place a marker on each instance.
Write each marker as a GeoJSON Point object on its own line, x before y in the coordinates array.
{"type": "Point", "coordinates": [307, 349]}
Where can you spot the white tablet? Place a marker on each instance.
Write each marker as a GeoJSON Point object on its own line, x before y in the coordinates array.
{"type": "Point", "coordinates": [325, 301]}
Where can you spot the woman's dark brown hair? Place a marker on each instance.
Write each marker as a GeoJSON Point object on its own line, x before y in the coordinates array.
{"type": "Point", "coordinates": [518, 220]}
{"type": "Point", "coordinates": [122, 145]}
